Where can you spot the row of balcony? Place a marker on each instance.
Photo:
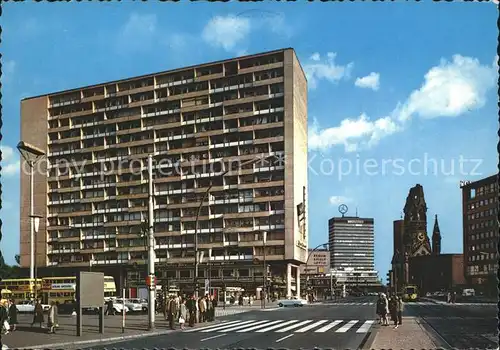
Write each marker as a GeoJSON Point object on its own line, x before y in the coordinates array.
{"type": "Point", "coordinates": [145, 84]}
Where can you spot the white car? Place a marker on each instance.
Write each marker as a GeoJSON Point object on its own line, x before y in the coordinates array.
{"type": "Point", "coordinates": [29, 306]}
{"type": "Point", "coordinates": [134, 305]}
{"type": "Point", "coordinates": [292, 302]}
{"type": "Point", "coordinates": [118, 306]}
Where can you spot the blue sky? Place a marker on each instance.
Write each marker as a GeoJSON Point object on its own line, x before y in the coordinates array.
{"type": "Point", "coordinates": [399, 83]}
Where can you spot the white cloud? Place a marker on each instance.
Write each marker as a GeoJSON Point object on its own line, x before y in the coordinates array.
{"type": "Point", "coordinates": [8, 69]}
{"type": "Point", "coordinates": [354, 134]}
{"type": "Point", "coordinates": [450, 89]}
{"type": "Point", "coordinates": [337, 200]}
{"type": "Point", "coordinates": [328, 70]}
{"type": "Point", "coordinates": [10, 161]}
{"type": "Point", "coordinates": [371, 81]}
{"type": "Point", "coordinates": [138, 32]}
{"type": "Point", "coordinates": [226, 31]}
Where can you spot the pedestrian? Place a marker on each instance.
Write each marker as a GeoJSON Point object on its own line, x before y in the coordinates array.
{"type": "Point", "coordinates": [52, 318]}
{"type": "Point", "coordinates": [109, 307]}
{"type": "Point", "coordinates": [182, 313]}
{"type": "Point", "coordinates": [165, 308]}
{"type": "Point", "coordinates": [173, 312]}
{"type": "Point", "coordinates": [38, 316]}
{"type": "Point", "coordinates": [13, 315]}
{"type": "Point", "coordinates": [202, 305]}
{"type": "Point", "coordinates": [4, 316]}
{"type": "Point", "coordinates": [379, 307]}
{"type": "Point", "coordinates": [448, 298]}
{"type": "Point", "coordinates": [393, 310]}
{"type": "Point", "coordinates": [213, 300]}
{"type": "Point", "coordinates": [191, 306]}
{"type": "Point", "coordinates": [399, 310]}
{"type": "Point", "coordinates": [384, 309]}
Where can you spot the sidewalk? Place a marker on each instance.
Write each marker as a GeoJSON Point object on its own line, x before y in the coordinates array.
{"type": "Point", "coordinates": [410, 335]}
{"type": "Point", "coordinates": [136, 326]}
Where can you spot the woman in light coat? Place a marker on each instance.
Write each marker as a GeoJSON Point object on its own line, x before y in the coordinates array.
{"type": "Point", "coordinates": [52, 319]}
{"type": "Point", "coordinates": [183, 313]}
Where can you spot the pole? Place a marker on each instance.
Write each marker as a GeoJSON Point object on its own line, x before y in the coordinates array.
{"type": "Point", "coordinates": [331, 284]}
{"type": "Point", "coordinates": [151, 247]}
{"type": "Point", "coordinates": [196, 259]}
{"type": "Point", "coordinates": [32, 232]}
{"type": "Point", "coordinates": [123, 311]}
{"type": "Point", "coordinates": [264, 273]}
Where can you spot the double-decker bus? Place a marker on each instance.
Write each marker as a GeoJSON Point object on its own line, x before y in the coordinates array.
{"type": "Point", "coordinates": [410, 293]}
{"type": "Point", "coordinates": [21, 288]}
{"type": "Point", "coordinates": [63, 289]}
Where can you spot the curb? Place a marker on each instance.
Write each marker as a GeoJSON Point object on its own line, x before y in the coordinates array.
{"type": "Point", "coordinates": [119, 339]}
{"type": "Point", "coordinates": [367, 342]}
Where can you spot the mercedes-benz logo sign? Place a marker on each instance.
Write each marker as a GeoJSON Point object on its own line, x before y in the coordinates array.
{"type": "Point", "coordinates": [343, 209]}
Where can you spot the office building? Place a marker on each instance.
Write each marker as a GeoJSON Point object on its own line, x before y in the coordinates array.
{"type": "Point", "coordinates": [195, 121]}
{"type": "Point", "coordinates": [351, 242]}
{"type": "Point", "coordinates": [480, 232]}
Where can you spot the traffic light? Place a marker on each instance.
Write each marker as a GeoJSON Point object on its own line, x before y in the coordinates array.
{"type": "Point", "coordinates": [389, 278]}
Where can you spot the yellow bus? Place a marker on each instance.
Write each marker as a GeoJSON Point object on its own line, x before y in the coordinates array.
{"type": "Point", "coordinates": [63, 289]}
{"type": "Point", "coordinates": [21, 288]}
{"type": "Point", "coordinates": [410, 293]}
{"type": "Point", "coordinates": [5, 295]}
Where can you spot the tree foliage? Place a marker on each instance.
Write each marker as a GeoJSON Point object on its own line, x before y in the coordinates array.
{"type": "Point", "coordinates": [9, 271]}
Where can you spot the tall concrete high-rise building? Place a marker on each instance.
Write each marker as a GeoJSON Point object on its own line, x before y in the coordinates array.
{"type": "Point", "coordinates": [480, 233]}
{"type": "Point", "coordinates": [195, 121]}
{"type": "Point", "coordinates": [351, 243]}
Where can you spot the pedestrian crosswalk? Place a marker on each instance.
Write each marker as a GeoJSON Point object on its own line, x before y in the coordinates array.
{"type": "Point", "coordinates": [287, 326]}
{"type": "Point", "coordinates": [357, 303]}
{"type": "Point", "coordinates": [220, 312]}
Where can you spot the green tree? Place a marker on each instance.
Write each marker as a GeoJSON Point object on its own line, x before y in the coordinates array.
{"type": "Point", "coordinates": [17, 257]}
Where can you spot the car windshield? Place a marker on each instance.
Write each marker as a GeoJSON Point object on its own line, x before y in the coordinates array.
{"type": "Point", "coordinates": [410, 290]}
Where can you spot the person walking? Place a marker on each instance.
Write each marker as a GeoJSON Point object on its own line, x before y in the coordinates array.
{"type": "Point", "coordinates": [38, 316]}
{"type": "Point", "coordinates": [399, 311]}
{"type": "Point", "coordinates": [182, 313]}
{"type": "Point", "coordinates": [52, 317]}
{"type": "Point", "coordinates": [379, 308]}
{"type": "Point", "coordinates": [4, 316]}
{"type": "Point", "coordinates": [109, 307]}
{"type": "Point", "coordinates": [384, 309]}
{"type": "Point", "coordinates": [203, 308]}
{"type": "Point", "coordinates": [213, 301]}
{"type": "Point", "coordinates": [13, 315]}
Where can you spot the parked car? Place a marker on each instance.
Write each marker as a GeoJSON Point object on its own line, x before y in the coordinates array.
{"type": "Point", "coordinates": [118, 307]}
{"type": "Point", "coordinates": [292, 302]}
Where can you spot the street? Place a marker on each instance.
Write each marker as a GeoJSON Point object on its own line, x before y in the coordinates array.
{"type": "Point", "coordinates": [342, 326]}
{"type": "Point", "coordinates": [460, 325]}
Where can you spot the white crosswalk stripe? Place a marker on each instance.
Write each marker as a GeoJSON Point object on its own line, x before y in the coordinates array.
{"type": "Point", "coordinates": [353, 304]}
{"type": "Point", "coordinates": [328, 326]}
{"type": "Point", "coordinates": [288, 326]}
{"type": "Point", "coordinates": [347, 326]}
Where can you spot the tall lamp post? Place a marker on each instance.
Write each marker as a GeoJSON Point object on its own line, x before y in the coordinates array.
{"type": "Point", "coordinates": [31, 155]}
{"type": "Point", "coordinates": [324, 246]}
{"type": "Point", "coordinates": [205, 195]}
{"type": "Point", "coordinates": [36, 225]}
{"type": "Point", "coordinates": [264, 273]}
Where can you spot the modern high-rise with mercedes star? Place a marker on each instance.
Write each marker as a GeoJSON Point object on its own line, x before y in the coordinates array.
{"type": "Point", "coordinates": [192, 120]}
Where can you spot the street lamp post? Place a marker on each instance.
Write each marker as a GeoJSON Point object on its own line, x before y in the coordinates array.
{"type": "Point", "coordinates": [151, 247]}
{"type": "Point", "coordinates": [205, 195]}
{"type": "Point", "coordinates": [31, 155]}
{"type": "Point", "coordinates": [264, 273]}
{"type": "Point", "coordinates": [324, 245]}
{"type": "Point", "coordinates": [36, 225]}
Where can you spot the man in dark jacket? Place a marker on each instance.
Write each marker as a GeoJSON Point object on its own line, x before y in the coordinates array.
{"type": "Point", "coordinates": [173, 312]}
{"type": "Point", "coordinates": [191, 306]}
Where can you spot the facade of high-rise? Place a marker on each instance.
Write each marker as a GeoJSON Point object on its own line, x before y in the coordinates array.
{"type": "Point", "coordinates": [195, 121]}
{"type": "Point", "coordinates": [480, 232]}
{"type": "Point", "coordinates": [351, 243]}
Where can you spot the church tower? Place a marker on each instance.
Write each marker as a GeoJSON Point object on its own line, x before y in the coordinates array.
{"type": "Point", "coordinates": [416, 241]}
{"type": "Point", "coordinates": [436, 238]}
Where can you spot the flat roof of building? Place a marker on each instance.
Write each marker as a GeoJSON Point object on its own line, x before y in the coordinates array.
{"type": "Point", "coordinates": [150, 75]}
